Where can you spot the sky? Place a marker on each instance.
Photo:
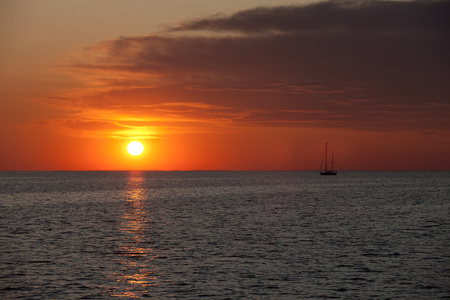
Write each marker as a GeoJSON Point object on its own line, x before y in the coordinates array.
{"type": "Point", "coordinates": [224, 85]}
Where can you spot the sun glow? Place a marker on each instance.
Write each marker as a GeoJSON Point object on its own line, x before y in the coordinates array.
{"type": "Point", "coordinates": [135, 148]}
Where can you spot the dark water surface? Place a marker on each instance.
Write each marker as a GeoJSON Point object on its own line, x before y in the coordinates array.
{"type": "Point", "coordinates": [224, 235]}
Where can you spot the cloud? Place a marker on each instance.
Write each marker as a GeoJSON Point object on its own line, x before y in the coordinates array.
{"type": "Point", "coordinates": [79, 127]}
{"type": "Point", "coordinates": [428, 133]}
{"type": "Point", "coordinates": [343, 40]}
{"type": "Point", "coordinates": [346, 63]}
{"type": "Point", "coordinates": [331, 16]}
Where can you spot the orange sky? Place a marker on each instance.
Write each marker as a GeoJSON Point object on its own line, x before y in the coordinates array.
{"type": "Point", "coordinates": [224, 85]}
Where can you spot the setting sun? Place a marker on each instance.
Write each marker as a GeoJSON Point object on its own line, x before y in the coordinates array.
{"type": "Point", "coordinates": [135, 148]}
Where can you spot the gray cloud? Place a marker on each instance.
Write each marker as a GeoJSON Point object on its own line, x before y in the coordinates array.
{"type": "Point", "coordinates": [352, 59]}
{"type": "Point", "coordinates": [381, 16]}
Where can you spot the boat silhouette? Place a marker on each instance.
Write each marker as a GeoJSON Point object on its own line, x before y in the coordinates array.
{"type": "Point", "coordinates": [325, 171]}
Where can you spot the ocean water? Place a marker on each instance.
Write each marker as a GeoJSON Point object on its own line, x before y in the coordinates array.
{"type": "Point", "coordinates": [224, 235]}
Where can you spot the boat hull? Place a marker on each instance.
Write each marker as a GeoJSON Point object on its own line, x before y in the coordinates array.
{"type": "Point", "coordinates": [328, 172]}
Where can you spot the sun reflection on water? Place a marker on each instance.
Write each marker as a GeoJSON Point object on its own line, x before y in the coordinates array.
{"type": "Point", "coordinates": [137, 271]}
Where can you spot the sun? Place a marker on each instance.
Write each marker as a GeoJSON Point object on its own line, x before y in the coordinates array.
{"type": "Point", "coordinates": [135, 148]}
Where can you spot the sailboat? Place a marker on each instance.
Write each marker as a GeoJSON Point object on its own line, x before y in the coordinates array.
{"type": "Point", "coordinates": [326, 171]}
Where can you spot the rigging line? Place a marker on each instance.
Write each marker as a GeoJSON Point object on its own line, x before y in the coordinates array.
{"type": "Point", "coordinates": [321, 163]}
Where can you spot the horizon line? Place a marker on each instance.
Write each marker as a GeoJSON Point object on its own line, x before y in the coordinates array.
{"type": "Point", "coordinates": [230, 170]}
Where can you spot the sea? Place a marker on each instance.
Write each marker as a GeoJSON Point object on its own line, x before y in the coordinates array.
{"type": "Point", "coordinates": [225, 235]}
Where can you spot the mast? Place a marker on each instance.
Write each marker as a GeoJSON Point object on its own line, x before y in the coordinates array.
{"type": "Point", "coordinates": [326, 156]}
{"type": "Point", "coordinates": [332, 159]}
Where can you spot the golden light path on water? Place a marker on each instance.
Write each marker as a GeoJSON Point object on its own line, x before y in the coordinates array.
{"type": "Point", "coordinates": [137, 272]}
